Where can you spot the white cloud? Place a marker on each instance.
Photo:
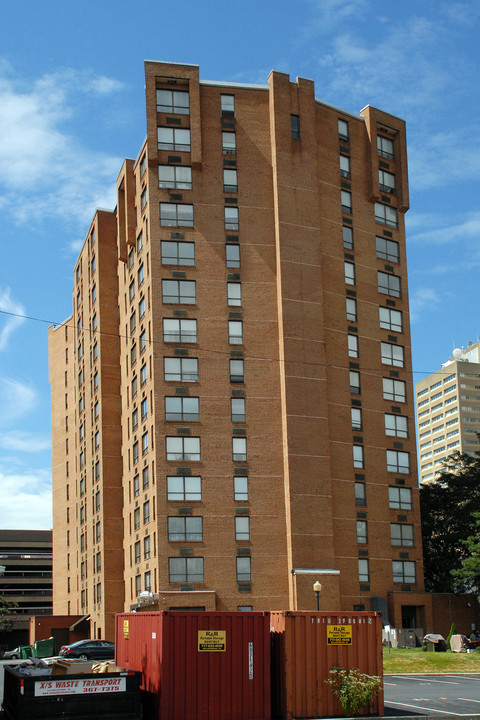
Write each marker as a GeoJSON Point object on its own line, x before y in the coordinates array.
{"type": "Point", "coordinates": [466, 230]}
{"type": "Point", "coordinates": [26, 500]}
{"type": "Point", "coordinates": [9, 323]}
{"type": "Point", "coordinates": [421, 300]}
{"type": "Point", "coordinates": [16, 400]}
{"type": "Point", "coordinates": [44, 170]}
{"type": "Point", "coordinates": [20, 441]}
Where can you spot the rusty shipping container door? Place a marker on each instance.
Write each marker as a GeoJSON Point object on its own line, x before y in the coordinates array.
{"type": "Point", "coordinates": [199, 665]}
{"type": "Point", "coordinates": [306, 645]}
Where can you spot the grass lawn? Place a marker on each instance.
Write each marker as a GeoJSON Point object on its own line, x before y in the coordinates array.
{"type": "Point", "coordinates": [417, 661]}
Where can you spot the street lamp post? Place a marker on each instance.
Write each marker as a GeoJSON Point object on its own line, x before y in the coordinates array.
{"type": "Point", "coordinates": [317, 588]}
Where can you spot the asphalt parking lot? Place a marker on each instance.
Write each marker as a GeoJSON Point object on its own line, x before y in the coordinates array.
{"type": "Point", "coordinates": [440, 695]}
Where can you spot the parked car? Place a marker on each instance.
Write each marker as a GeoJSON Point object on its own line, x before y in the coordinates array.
{"type": "Point", "coordinates": [89, 650]}
{"type": "Point", "coordinates": [11, 654]}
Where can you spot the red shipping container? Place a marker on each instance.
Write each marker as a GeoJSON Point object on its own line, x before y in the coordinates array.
{"type": "Point", "coordinates": [306, 645]}
{"type": "Point", "coordinates": [199, 665]}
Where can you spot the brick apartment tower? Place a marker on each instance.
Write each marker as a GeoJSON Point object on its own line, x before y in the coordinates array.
{"type": "Point", "coordinates": [232, 397]}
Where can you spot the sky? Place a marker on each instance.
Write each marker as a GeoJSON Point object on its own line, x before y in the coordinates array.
{"type": "Point", "coordinates": [72, 108]}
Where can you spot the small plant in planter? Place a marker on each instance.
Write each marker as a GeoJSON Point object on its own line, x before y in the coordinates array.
{"type": "Point", "coordinates": [354, 689]}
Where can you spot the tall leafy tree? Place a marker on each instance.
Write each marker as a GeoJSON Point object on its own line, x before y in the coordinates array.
{"type": "Point", "coordinates": [468, 575]}
{"type": "Point", "coordinates": [6, 608]}
{"type": "Point", "coordinates": [448, 508]}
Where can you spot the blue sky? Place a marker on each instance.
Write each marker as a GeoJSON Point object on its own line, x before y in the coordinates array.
{"type": "Point", "coordinates": [72, 108]}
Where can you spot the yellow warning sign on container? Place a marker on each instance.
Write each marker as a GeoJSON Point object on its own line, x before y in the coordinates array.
{"type": "Point", "coordinates": [212, 640]}
{"type": "Point", "coordinates": [339, 634]}
{"type": "Point", "coordinates": [126, 629]}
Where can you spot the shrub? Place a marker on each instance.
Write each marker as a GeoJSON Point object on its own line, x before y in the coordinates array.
{"type": "Point", "coordinates": [354, 689]}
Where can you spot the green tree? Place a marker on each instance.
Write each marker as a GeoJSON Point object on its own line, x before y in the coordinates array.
{"type": "Point", "coordinates": [448, 508]}
{"type": "Point", "coordinates": [6, 608]}
{"type": "Point", "coordinates": [468, 575]}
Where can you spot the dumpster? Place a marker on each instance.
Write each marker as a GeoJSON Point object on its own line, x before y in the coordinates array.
{"type": "Point", "coordinates": [199, 665]}
{"type": "Point", "coordinates": [45, 648]}
{"type": "Point", "coordinates": [31, 692]}
{"type": "Point", "coordinates": [26, 651]}
{"type": "Point", "coordinates": [306, 645]}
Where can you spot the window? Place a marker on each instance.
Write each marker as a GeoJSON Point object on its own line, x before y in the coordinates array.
{"type": "Point", "coordinates": [242, 527]}
{"type": "Point", "coordinates": [134, 419]}
{"type": "Point", "coordinates": [173, 101]}
{"type": "Point", "coordinates": [352, 341]}
{"type": "Point", "coordinates": [230, 180]}
{"type": "Point", "coordinates": [388, 284]}
{"type": "Point", "coordinates": [392, 354]}
{"type": "Point", "coordinates": [95, 381]}
{"type": "Point", "coordinates": [131, 290]}
{"type": "Point", "coordinates": [94, 322]}
{"type": "Point", "coordinates": [235, 332]}
{"type": "Point", "coordinates": [401, 534]}
{"type": "Point", "coordinates": [146, 547]}
{"type": "Point", "coordinates": [354, 382]}
{"type": "Point", "coordinates": [347, 233]}
{"type": "Point", "coordinates": [398, 462]}
{"type": "Point", "coordinates": [386, 181]}
{"type": "Point", "coordinates": [227, 105]}
{"type": "Point", "coordinates": [177, 139]}
{"type": "Point", "coordinates": [188, 569]}
{"type": "Point", "coordinates": [175, 176]}
{"type": "Point", "coordinates": [239, 449]}
{"type": "Point", "coordinates": [404, 571]}
{"type": "Point", "coordinates": [346, 198]}
{"type": "Point", "coordinates": [141, 308]}
{"type": "Point", "coordinates": [234, 293]}
{"type": "Point", "coordinates": [231, 218]}
{"type": "Point", "coordinates": [137, 552]}
{"type": "Point", "coordinates": [360, 494]}
{"type": "Point", "coordinates": [184, 487]}
{"type": "Point", "coordinates": [133, 354]}
{"type": "Point", "coordinates": [179, 330]}
{"type": "Point", "coordinates": [182, 408]}
{"type": "Point", "coordinates": [362, 536]}
{"type": "Point", "coordinates": [295, 126]}
{"type": "Point", "coordinates": [176, 214]}
{"type": "Point", "coordinates": [349, 273]}
{"type": "Point", "coordinates": [390, 319]}
{"type": "Point", "coordinates": [96, 410]}
{"type": "Point", "coordinates": [185, 529]}
{"type": "Point", "coordinates": [229, 143]}
{"type": "Point", "coordinates": [94, 293]}
{"type": "Point", "coordinates": [238, 409]}
{"type": "Point", "coordinates": [144, 408]}
{"type": "Point", "coordinates": [343, 130]}
{"type": "Point", "coordinates": [351, 307]}
{"type": "Point", "coordinates": [134, 386]}
{"type": "Point", "coordinates": [135, 452]}
{"type": "Point", "coordinates": [136, 518]}
{"type": "Point", "coordinates": [143, 164]}
{"type": "Point", "coordinates": [143, 198]}
{"type": "Point", "coordinates": [394, 390]}
{"type": "Point", "coordinates": [180, 369]}
{"type": "Point", "coordinates": [356, 418]}
{"type": "Point", "coordinates": [396, 425]}
{"type": "Point", "coordinates": [386, 215]}
{"type": "Point", "coordinates": [358, 458]}
{"type": "Point", "coordinates": [141, 275]}
{"type": "Point", "coordinates": [138, 585]}
{"type": "Point", "coordinates": [139, 243]}
{"type": "Point", "coordinates": [146, 512]}
{"type": "Point", "coordinates": [183, 448]}
{"type": "Point", "coordinates": [387, 249]}
{"type": "Point", "coordinates": [133, 322]}
{"type": "Point", "coordinates": [232, 256]}
{"type": "Point", "coordinates": [363, 570]}
{"type": "Point", "coordinates": [179, 291]}
{"type": "Point", "coordinates": [143, 375]}
{"type": "Point", "coordinates": [240, 488]}
{"type": "Point", "coordinates": [131, 258]}
{"type": "Point", "coordinates": [385, 147]}
{"type": "Point", "coordinates": [244, 569]}
{"type": "Point", "coordinates": [148, 581]}
{"type": "Point", "coordinates": [237, 371]}
{"type": "Point", "coordinates": [136, 486]}
{"type": "Point", "coordinates": [399, 498]}
{"type": "Point", "coordinates": [178, 253]}
{"type": "Point", "coordinates": [344, 166]}
{"type": "Point", "coordinates": [145, 478]}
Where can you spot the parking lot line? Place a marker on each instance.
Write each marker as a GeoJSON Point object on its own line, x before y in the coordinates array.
{"type": "Point", "coordinates": [429, 709]}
